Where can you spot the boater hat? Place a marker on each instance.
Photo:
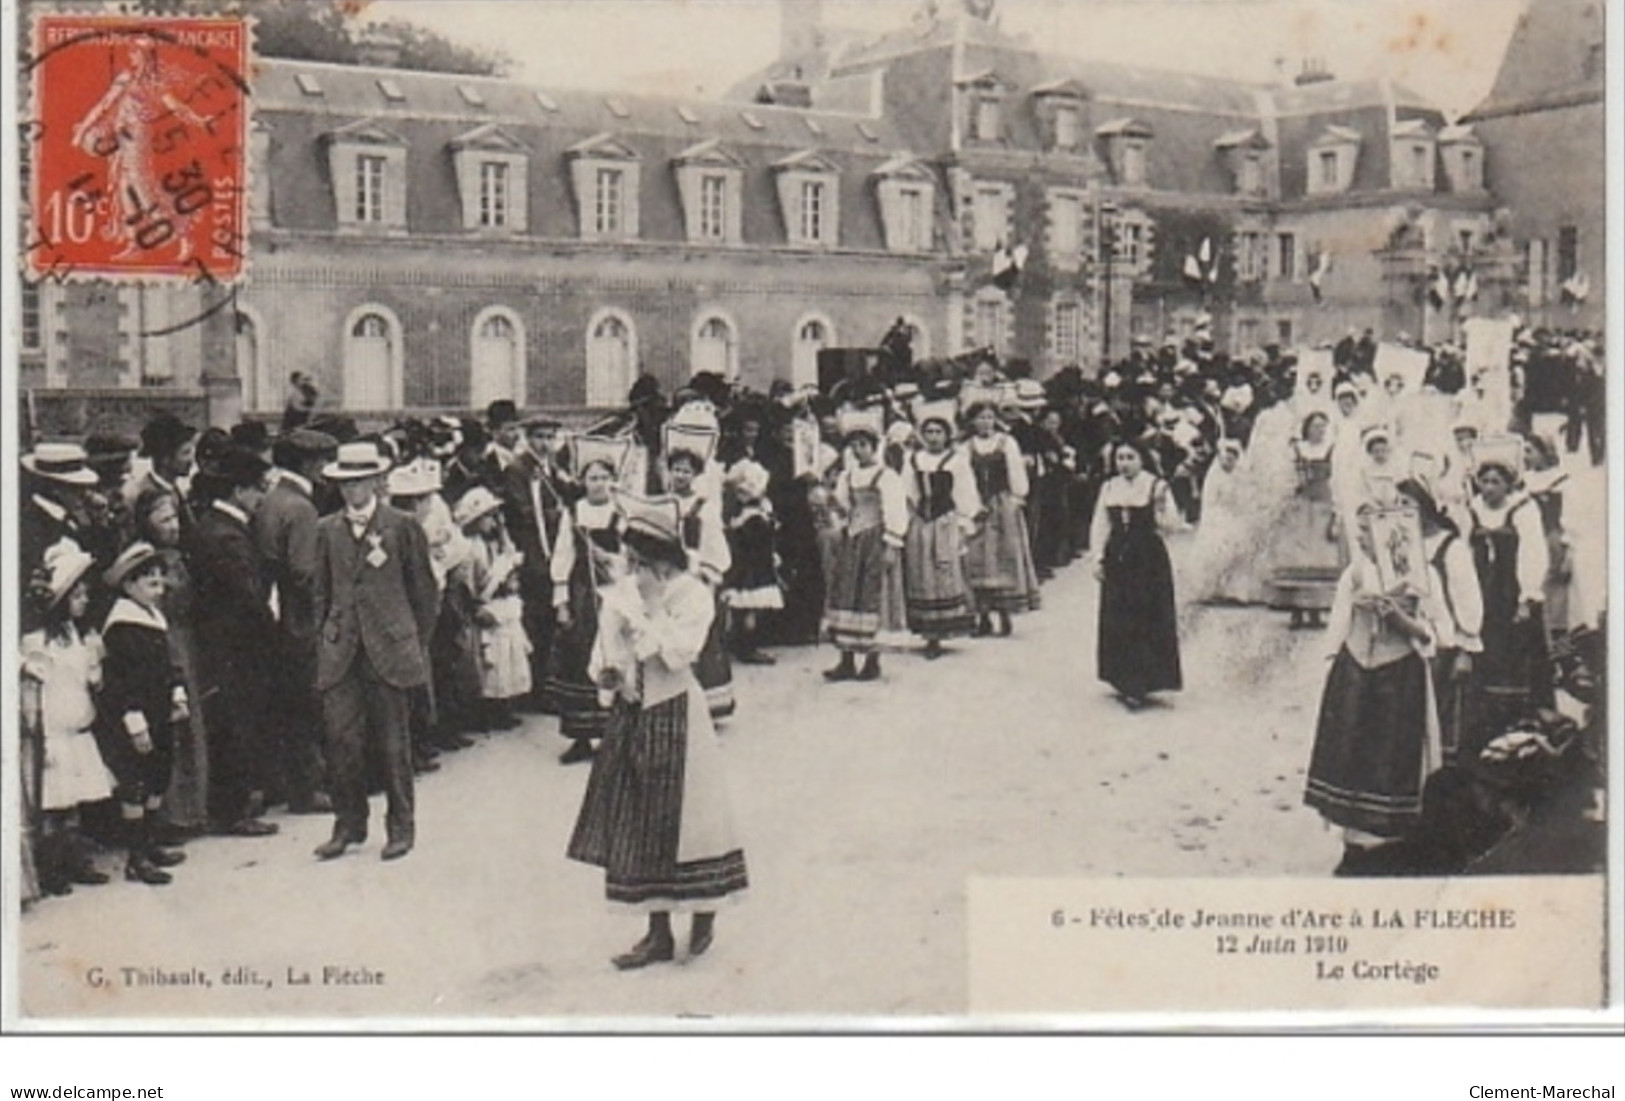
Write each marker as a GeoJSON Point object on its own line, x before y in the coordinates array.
{"type": "Point", "coordinates": [362, 459]}
{"type": "Point", "coordinates": [66, 564]}
{"type": "Point", "coordinates": [135, 556]}
{"type": "Point", "coordinates": [60, 462]}
{"type": "Point", "coordinates": [415, 479]}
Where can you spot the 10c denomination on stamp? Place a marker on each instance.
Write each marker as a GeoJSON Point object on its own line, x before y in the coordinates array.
{"type": "Point", "coordinates": [138, 148]}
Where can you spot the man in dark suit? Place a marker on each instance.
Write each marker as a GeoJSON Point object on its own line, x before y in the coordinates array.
{"type": "Point", "coordinates": [232, 618]}
{"type": "Point", "coordinates": [285, 532]}
{"type": "Point", "coordinates": [534, 495]}
{"type": "Point", "coordinates": [375, 605]}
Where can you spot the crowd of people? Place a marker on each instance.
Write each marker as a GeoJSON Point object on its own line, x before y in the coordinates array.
{"type": "Point", "coordinates": [222, 622]}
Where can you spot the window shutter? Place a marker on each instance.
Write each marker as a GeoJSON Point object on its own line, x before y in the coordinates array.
{"type": "Point", "coordinates": [395, 188]}
{"type": "Point", "coordinates": [630, 179]}
{"type": "Point", "coordinates": [468, 187]}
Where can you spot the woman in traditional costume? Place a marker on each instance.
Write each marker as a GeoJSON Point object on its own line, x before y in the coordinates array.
{"type": "Point", "coordinates": [1138, 644]}
{"type": "Point", "coordinates": [1510, 551]}
{"type": "Point", "coordinates": [944, 508]}
{"type": "Point", "coordinates": [1225, 552]}
{"type": "Point", "coordinates": [999, 558]}
{"type": "Point", "coordinates": [1377, 737]}
{"type": "Point", "coordinates": [688, 455]}
{"type": "Point", "coordinates": [586, 557]}
{"type": "Point", "coordinates": [655, 815]}
{"type": "Point", "coordinates": [870, 506]}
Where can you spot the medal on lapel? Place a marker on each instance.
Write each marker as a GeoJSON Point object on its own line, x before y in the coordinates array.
{"type": "Point", "coordinates": [376, 556]}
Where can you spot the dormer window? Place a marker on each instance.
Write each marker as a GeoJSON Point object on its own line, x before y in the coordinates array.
{"type": "Point", "coordinates": [987, 118]}
{"type": "Point", "coordinates": [492, 169]}
{"type": "Point", "coordinates": [1059, 107]}
{"type": "Point", "coordinates": [606, 175]}
{"type": "Point", "coordinates": [1126, 141]}
{"type": "Point", "coordinates": [1332, 157]}
{"type": "Point", "coordinates": [1243, 151]}
{"type": "Point", "coordinates": [368, 167]}
{"type": "Point", "coordinates": [809, 198]}
{"type": "Point", "coordinates": [710, 179]}
{"type": "Point", "coordinates": [907, 193]}
{"type": "Point", "coordinates": [1463, 157]}
{"type": "Point", "coordinates": [1413, 155]}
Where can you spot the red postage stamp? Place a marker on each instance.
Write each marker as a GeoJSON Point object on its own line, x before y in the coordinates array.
{"type": "Point", "coordinates": [138, 148]}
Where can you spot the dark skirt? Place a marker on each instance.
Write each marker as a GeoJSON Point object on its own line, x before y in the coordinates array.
{"type": "Point", "coordinates": [857, 577]}
{"type": "Point", "coordinates": [1138, 640]}
{"type": "Point", "coordinates": [632, 813]}
{"type": "Point", "coordinates": [713, 669]}
{"type": "Point", "coordinates": [1365, 771]}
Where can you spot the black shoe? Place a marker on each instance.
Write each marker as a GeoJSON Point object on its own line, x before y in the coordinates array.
{"type": "Point", "coordinates": [250, 827]}
{"type": "Point", "coordinates": [87, 874]}
{"type": "Point", "coordinates": [163, 858]}
{"type": "Point", "coordinates": [395, 849]}
{"type": "Point", "coordinates": [871, 668]}
{"type": "Point", "coordinates": [1005, 626]}
{"type": "Point", "coordinates": [580, 750]}
{"type": "Point", "coordinates": [138, 869]}
{"type": "Point", "coordinates": [56, 885]}
{"type": "Point", "coordinates": [170, 836]}
{"type": "Point", "coordinates": [984, 626]}
{"type": "Point", "coordinates": [701, 934]}
{"type": "Point", "coordinates": [755, 657]}
{"type": "Point", "coordinates": [846, 670]}
{"type": "Point", "coordinates": [644, 952]}
{"type": "Point", "coordinates": [422, 764]}
{"type": "Point", "coordinates": [334, 847]}
{"type": "Point", "coordinates": [933, 649]}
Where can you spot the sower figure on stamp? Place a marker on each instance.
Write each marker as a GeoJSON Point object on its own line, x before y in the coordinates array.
{"type": "Point", "coordinates": [375, 604]}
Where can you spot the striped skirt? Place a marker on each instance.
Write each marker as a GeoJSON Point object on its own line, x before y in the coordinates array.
{"type": "Point", "coordinates": [632, 816]}
{"type": "Point", "coordinates": [852, 602]}
{"type": "Point", "coordinates": [999, 560]}
{"type": "Point", "coordinates": [938, 598]}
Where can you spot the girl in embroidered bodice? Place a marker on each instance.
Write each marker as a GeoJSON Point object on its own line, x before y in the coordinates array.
{"type": "Point", "coordinates": [1138, 642]}
{"type": "Point", "coordinates": [1509, 549]}
{"type": "Point", "coordinates": [871, 503]}
{"type": "Point", "coordinates": [945, 507]}
{"type": "Point", "coordinates": [586, 557]}
{"type": "Point", "coordinates": [706, 541]}
{"type": "Point", "coordinates": [999, 559]}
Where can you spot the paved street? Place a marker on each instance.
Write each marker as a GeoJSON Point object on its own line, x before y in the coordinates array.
{"type": "Point", "coordinates": [864, 810]}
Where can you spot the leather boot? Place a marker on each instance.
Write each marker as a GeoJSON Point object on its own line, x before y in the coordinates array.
{"type": "Point", "coordinates": [871, 667]}
{"type": "Point", "coordinates": [657, 946]}
{"type": "Point", "coordinates": [846, 670]}
{"type": "Point", "coordinates": [138, 866]}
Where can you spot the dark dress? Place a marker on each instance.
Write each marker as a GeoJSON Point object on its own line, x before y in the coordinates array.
{"type": "Point", "coordinates": [1138, 650]}
{"type": "Point", "coordinates": [139, 677]}
{"type": "Point", "coordinates": [1514, 671]}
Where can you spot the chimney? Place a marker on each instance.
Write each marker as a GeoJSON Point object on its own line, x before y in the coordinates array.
{"type": "Point", "coordinates": [801, 27]}
{"type": "Point", "coordinates": [1314, 72]}
{"type": "Point", "coordinates": [378, 48]}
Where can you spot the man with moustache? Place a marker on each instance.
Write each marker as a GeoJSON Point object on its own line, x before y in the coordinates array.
{"type": "Point", "coordinates": [375, 604]}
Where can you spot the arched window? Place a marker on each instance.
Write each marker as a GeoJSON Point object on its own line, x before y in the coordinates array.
{"type": "Point", "coordinates": [716, 347]}
{"type": "Point", "coordinates": [261, 393]}
{"type": "Point", "coordinates": [372, 360]}
{"type": "Point", "coordinates": [612, 358]}
{"type": "Point", "coordinates": [812, 335]}
{"type": "Point", "coordinates": [497, 359]}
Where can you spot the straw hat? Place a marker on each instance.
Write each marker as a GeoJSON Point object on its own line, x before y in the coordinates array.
{"type": "Point", "coordinates": [135, 556]}
{"type": "Point", "coordinates": [474, 504]}
{"type": "Point", "coordinates": [67, 565]}
{"type": "Point", "coordinates": [416, 478]}
{"type": "Point", "coordinates": [362, 459]}
{"type": "Point", "coordinates": [60, 462]}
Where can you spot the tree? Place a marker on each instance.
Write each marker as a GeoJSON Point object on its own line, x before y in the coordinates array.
{"type": "Point", "coordinates": [322, 30]}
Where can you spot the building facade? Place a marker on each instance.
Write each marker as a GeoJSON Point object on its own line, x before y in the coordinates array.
{"type": "Point", "coordinates": [1543, 128]}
